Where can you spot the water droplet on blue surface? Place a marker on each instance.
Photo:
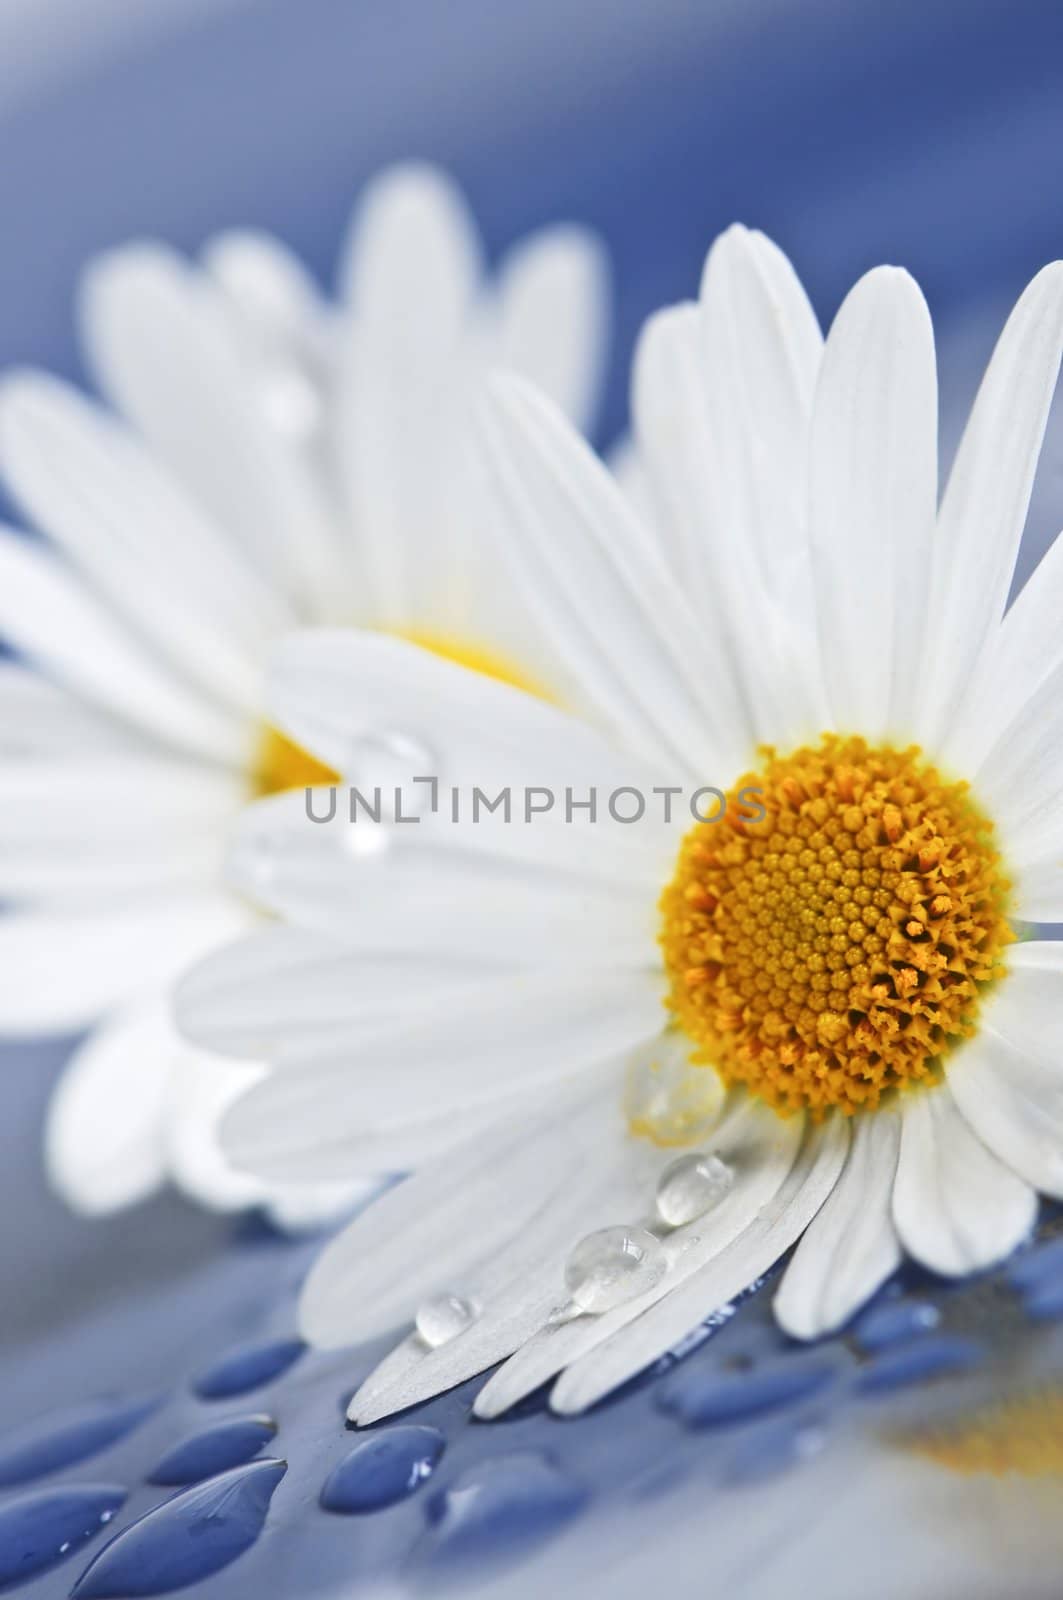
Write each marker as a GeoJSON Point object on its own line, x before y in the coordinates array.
{"type": "Point", "coordinates": [443, 1317]}
{"type": "Point", "coordinates": [614, 1265]}
{"type": "Point", "coordinates": [384, 1468]}
{"type": "Point", "coordinates": [933, 1356]}
{"type": "Point", "coordinates": [895, 1321]}
{"type": "Point", "coordinates": [228, 1444]}
{"type": "Point", "coordinates": [691, 1186]}
{"type": "Point", "coordinates": [712, 1399]}
{"type": "Point", "coordinates": [190, 1537]}
{"type": "Point", "coordinates": [248, 1368]}
{"type": "Point", "coordinates": [45, 1526]}
{"type": "Point", "coordinates": [65, 1438]}
{"type": "Point", "coordinates": [501, 1506]}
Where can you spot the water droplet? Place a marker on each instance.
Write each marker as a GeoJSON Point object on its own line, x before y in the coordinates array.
{"type": "Point", "coordinates": [248, 1368]}
{"type": "Point", "coordinates": [384, 1468]}
{"type": "Point", "coordinates": [65, 1439]}
{"type": "Point", "coordinates": [499, 1509]}
{"type": "Point", "coordinates": [39, 1529]}
{"type": "Point", "coordinates": [190, 1537]}
{"type": "Point", "coordinates": [217, 1449]}
{"type": "Point", "coordinates": [612, 1266]}
{"type": "Point", "coordinates": [443, 1317]}
{"type": "Point", "coordinates": [691, 1186]}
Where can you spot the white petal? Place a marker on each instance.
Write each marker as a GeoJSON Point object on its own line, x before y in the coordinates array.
{"type": "Point", "coordinates": [850, 1247]}
{"type": "Point", "coordinates": [201, 1090]}
{"type": "Point", "coordinates": [522, 1283]}
{"type": "Point", "coordinates": [146, 548]}
{"type": "Point", "coordinates": [671, 420]}
{"type": "Point", "coordinates": [1024, 651]}
{"type": "Point", "coordinates": [1008, 1081]}
{"type": "Point", "coordinates": [553, 309]}
{"type": "Point", "coordinates": [105, 825]}
{"type": "Point", "coordinates": [104, 1136]}
{"type": "Point", "coordinates": [40, 721]}
{"type": "Point", "coordinates": [166, 355]}
{"type": "Point", "coordinates": [956, 1207]}
{"type": "Point", "coordinates": [760, 352]}
{"type": "Point", "coordinates": [651, 1335]}
{"type": "Point", "coordinates": [872, 497]}
{"type": "Point", "coordinates": [276, 1130]}
{"type": "Point", "coordinates": [285, 987]}
{"type": "Point", "coordinates": [426, 1234]}
{"type": "Point", "coordinates": [63, 969]}
{"type": "Point", "coordinates": [410, 277]}
{"type": "Point", "coordinates": [560, 893]}
{"type": "Point", "coordinates": [984, 506]}
{"type": "Point", "coordinates": [1020, 783]}
{"type": "Point", "coordinates": [269, 285]}
{"type": "Point", "coordinates": [638, 652]}
{"type": "Point", "coordinates": [761, 1149]}
{"type": "Point", "coordinates": [48, 615]}
{"type": "Point", "coordinates": [511, 1037]}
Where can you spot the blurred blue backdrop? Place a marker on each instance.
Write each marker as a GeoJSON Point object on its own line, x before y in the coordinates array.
{"type": "Point", "coordinates": [927, 133]}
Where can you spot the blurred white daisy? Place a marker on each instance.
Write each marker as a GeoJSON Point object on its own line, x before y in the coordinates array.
{"type": "Point", "coordinates": [635, 1064]}
{"type": "Point", "coordinates": [269, 460]}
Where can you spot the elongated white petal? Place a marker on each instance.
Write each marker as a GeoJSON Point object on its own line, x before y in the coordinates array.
{"type": "Point", "coordinates": [62, 969]}
{"type": "Point", "coordinates": [578, 893]}
{"type": "Point", "coordinates": [488, 1044]}
{"type": "Point", "coordinates": [760, 352]}
{"type": "Point", "coordinates": [872, 499]}
{"type": "Point", "coordinates": [410, 275]}
{"type": "Point", "coordinates": [553, 314]}
{"type": "Point", "coordinates": [138, 538]}
{"type": "Point", "coordinates": [1020, 781]}
{"type": "Point", "coordinates": [166, 355]}
{"type": "Point", "coordinates": [47, 614]}
{"type": "Point", "coordinates": [518, 1288]}
{"type": "Point", "coordinates": [40, 721]}
{"type": "Point", "coordinates": [761, 1151]}
{"type": "Point", "coordinates": [111, 824]}
{"type": "Point", "coordinates": [104, 1138]}
{"type": "Point", "coordinates": [850, 1247]}
{"type": "Point", "coordinates": [1008, 1081]}
{"type": "Point", "coordinates": [637, 653]}
{"type": "Point", "coordinates": [984, 507]}
{"type": "Point", "coordinates": [1024, 651]}
{"type": "Point", "coordinates": [956, 1206]}
{"type": "Point", "coordinates": [651, 1335]}
{"type": "Point", "coordinates": [428, 1233]}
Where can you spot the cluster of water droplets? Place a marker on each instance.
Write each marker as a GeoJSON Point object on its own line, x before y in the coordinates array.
{"type": "Point", "coordinates": [614, 1265]}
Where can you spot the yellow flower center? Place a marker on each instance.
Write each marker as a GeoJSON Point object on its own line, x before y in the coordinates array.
{"type": "Point", "coordinates": [282, 764]}
{"type": "Point", "coordinates": [834, 947]}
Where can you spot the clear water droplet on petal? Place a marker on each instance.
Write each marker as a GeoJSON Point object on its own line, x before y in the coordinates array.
{"type": "Point", "coordinates": [443, 1317]}
{"type": "Point", "coordinates": [691, 1186]}
{"type": "Point", "coordinates": [614, 1265]}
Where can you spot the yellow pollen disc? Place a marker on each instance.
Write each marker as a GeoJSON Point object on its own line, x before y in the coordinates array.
{"type": "Point", "coordinates": [477, 659]}
{"type": "Point", "coordinates": [834, 947]}
{"type": "Point", "coordinates": [282, 764]}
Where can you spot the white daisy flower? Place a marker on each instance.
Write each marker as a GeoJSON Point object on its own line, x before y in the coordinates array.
{"type": "Point", "coordinates": [636, 1064]}
{"type": "Point", "coordinates": [269, 461]}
